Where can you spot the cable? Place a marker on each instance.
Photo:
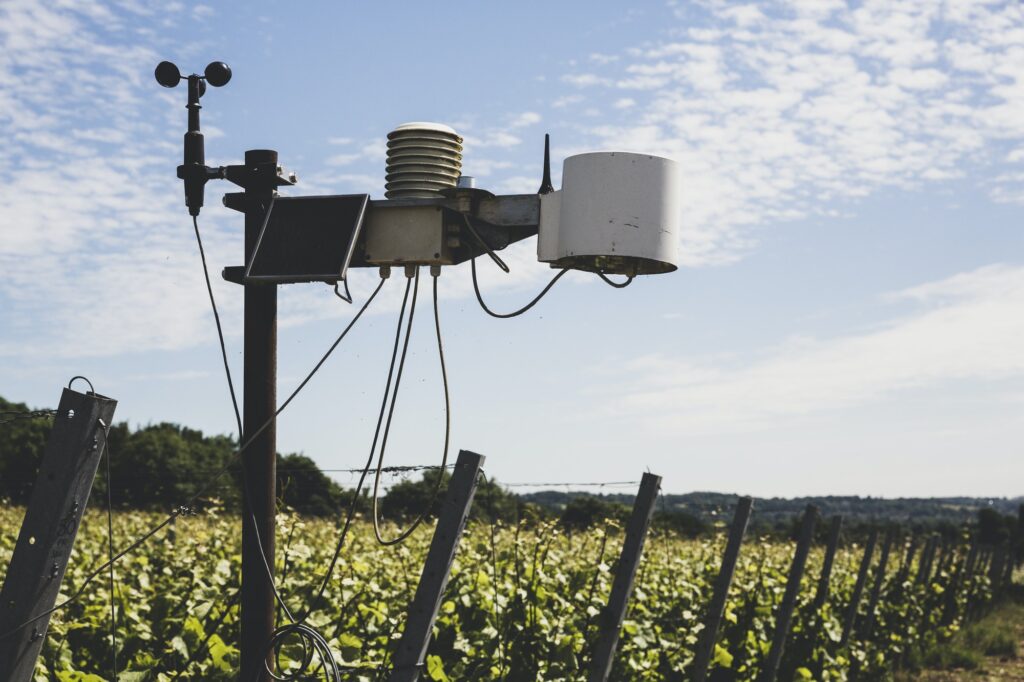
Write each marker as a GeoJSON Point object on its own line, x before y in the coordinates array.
{"type": "Point", "coordinates": [479, 298]}
{"type": "Point", "coordinates": [220, 330]}
{"type": "Point", "coordinates": [185, 508]}
{"type": "Point", "coordinates": [487, 247]}
{"type": "Point", "coordinates": [617, 285]}
{"type": "Point", "coordinates": [347, 296]}
{"type": "Point", "coordinates": [18, 415]}
{"type": "Point", "coordinates": [447, 427]}
{"type": "Point", "coordinates": [311, 640]}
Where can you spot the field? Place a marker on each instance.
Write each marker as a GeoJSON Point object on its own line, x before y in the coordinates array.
{"type": "Point", "coordinates": [523, 604]}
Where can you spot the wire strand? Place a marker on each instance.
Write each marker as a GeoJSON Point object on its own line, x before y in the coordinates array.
{"type": "Point", "coordinates": [480, 299]}
{"type": "Point", "coordinates": [186, 507]}
{"type": "Point", "coordinates": [447, 430]}
{"type": "Point", "coordinates": [612, 283]}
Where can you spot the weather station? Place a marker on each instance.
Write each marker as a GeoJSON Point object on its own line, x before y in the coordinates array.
{"type": "Point", "coordinates": [617, 214]}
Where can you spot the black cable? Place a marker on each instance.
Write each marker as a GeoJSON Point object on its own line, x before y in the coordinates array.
{"type": "Point", "coordinates": [617, 285]}
{"type": "Point", "coordinates": [220, 330]}
{"type": "Point", "coordinates": [310, 639]}
{"type": "Point", "coordinates": [479, 298]}
{"type": "Point", "coordinates": [18, 415]}
{"type": "Point", "coordinates": [185, 508]}
{"type": "Point", "coordinates": [447, 428]}
{"type": "Point", "coordinates": [347, 296]}
{"type": "Point", "coordinates": [487, 247]}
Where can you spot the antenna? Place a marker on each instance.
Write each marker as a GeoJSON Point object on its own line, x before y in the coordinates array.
{"type": "Point", "coordinates": [545, 184]}
{"type": "Point", "coordinates": [194, 170]}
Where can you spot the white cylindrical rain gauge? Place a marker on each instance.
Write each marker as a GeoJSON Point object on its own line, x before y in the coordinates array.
{"type": "Point", "coordinates": [617, 213]}
{"type": "Point", "coordinates": [423, 160]}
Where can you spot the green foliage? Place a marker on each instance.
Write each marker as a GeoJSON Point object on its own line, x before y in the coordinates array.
{"type": "Point", "coordinates": [523, 603]}
{"type": "Point", "coordinates": [160, 465]}
{"type": "Point", "coordinates": [586, 511]}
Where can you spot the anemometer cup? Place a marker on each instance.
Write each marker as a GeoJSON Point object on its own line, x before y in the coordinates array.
{"type": "Point", "coordinates": [617, 213]}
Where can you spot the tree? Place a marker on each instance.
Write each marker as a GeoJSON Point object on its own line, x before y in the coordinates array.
{"type": "Point", "coordinates": [303, 487]}
{"type": "Point", "coordinates": [584, 511]}
{"type": "Point", "coordinates": [22, 442]}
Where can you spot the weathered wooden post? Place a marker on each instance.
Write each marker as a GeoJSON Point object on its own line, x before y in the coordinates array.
{"type": "Point", "coordinates": [706, 642]}
{"type": "Point", "coordinates": [784, 619]}
{"type": "Point", "coordinates": [625, 573]}
{"type": "Point", "coordinates": [908, 559]}
{"type": "Point", "coordinates": [821, 594]}
{"type": "Point", "coordinates": [451, 522]}
{"type": "Point", "coordinates": [956, 581]}
{"type": "Point", "coordinates": [876, 590]}
{"type": "Point", "coordinates": [47, 535]}
{"type": "Point", "coordinates": [858, 588]}
{"type": "Point", "coordinates": [927, 556]}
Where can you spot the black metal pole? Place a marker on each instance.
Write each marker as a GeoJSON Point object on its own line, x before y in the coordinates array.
{"type": "Point", "coordinates": [260, 457]}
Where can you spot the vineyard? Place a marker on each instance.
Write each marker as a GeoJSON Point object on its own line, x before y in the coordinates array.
{"type": "Point", "coordinates": [524, 602]}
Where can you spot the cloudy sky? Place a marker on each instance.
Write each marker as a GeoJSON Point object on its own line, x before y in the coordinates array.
{"type": "Point", "coordinates": [849, 319]}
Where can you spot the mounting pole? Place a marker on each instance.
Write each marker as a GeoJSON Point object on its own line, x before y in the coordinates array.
{"type": "Point", "coordinates": [259, 405]}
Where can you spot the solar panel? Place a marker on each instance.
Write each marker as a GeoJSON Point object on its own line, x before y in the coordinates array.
{"type": "Point", "coordinates": [308, 239]}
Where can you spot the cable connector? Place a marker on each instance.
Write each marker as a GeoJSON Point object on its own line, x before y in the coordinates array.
{"type": "Point", "coordinates": [385, 272]}
{"type": "Point", "coordinates": [435, 271]}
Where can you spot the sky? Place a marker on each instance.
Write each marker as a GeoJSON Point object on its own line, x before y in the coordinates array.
{"type": "Point", "coordinates": [848, 317]}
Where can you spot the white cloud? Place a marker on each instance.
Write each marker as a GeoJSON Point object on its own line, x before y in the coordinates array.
{"type": "Point", "coordinates": [779, 111]}
{"type": "Point", "coordinates": [527, 118]}
{"type": "Point", "coordinates": [964, 328]}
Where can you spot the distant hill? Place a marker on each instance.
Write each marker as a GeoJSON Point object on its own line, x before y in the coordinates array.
{"type": "Point", "coordinates": [778, 512]}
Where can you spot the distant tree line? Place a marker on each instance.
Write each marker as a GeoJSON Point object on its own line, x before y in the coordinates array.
{"type": "Point", "coordinates": [161, 465]}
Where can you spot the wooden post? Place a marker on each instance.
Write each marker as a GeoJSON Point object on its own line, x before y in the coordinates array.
{"type": "Point", "coordinates": [625, 573]}
{"type": "Point", "coordinates": [47, 535]}
{"type": "Point", "coordinates": [955, 583]}
{"type": "Point", "coordinates": [858, 588]}
{"type": "Point", "coordinates": [908, 560]}
{"type": "Point", "coordinates": [924, 568]}
{"type": "Point", "coordinates": [706, 643]}
{"type": "Point", "coordinates": [419, 624]}
{"type": "Point", "coordinates": [876, 590]}
{"type": "Point", "coordinates": [821, 594]}
{"type": "Point", "coordinates": [995, 569]}
{"type": "Point", "coordinates": [785, 614]}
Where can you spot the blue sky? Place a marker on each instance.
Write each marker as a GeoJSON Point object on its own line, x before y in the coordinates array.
{"type": "Point", "coordinates": [848, 320]}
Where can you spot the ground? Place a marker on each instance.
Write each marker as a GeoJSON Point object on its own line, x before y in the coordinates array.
{"type": "Point", "coordinates": [991, 650]}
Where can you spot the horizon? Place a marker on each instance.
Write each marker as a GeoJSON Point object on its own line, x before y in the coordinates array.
{"type": "Point", "coordinates": [846, 320]}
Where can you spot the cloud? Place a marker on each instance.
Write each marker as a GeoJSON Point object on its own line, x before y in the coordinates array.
{"type": "Point", "coordinates": [788, 109]}
{"type": "Point", "coordinates": [527, 118]}
{"type": "Point", "coordinates": [964, 328]}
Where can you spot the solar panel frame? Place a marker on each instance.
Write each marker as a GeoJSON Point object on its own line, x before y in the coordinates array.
{"type": "Point", "coordinates": [310, 239]}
